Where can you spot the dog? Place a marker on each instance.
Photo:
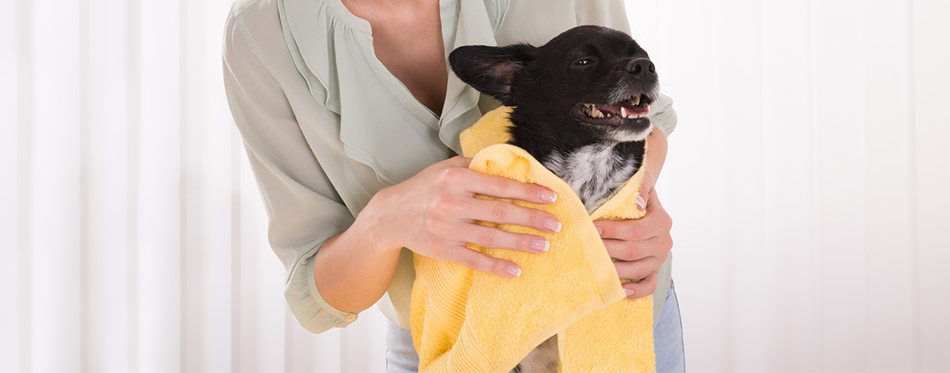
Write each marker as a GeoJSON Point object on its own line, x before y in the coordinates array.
{"type": "Point", "coordinates": [580, 108]}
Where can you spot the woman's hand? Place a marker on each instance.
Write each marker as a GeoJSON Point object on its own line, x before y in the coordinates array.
{"type": "Point", "coordinates": [433, 214]}
{"type": "Point", "coordinates": [642, 245]}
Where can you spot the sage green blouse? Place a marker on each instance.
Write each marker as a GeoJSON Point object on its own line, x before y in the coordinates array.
{"type": "Point", "coordinates": [326, 125]}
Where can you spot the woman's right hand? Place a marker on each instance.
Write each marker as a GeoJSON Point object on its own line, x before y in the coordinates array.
{"type": "Point", "coordinates": [433, 214]}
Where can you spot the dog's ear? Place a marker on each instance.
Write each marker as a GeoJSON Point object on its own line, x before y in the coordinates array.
{"type": "Point", "coordinates": [492, 70]}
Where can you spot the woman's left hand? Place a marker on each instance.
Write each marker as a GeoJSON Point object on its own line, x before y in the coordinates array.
{"type": "Point", "coordinates": [642, 245]}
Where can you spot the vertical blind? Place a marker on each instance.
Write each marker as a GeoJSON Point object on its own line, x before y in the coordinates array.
{"type": "Point", "coordinates": [807, 180]}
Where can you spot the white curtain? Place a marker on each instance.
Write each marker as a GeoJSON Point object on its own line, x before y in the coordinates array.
{"type": "Point", "coordinates": [807, 181]}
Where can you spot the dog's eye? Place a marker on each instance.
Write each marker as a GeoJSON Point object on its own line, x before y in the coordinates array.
{"type": "Point", "coordinates": [583, 62]}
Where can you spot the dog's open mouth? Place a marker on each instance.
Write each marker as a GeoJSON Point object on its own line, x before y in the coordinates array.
{"type": "Point", "coordinates": [633, 108]}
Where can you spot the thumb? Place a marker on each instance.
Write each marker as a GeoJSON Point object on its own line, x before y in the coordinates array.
{"type": "Point", "coordinates": [646, 188]}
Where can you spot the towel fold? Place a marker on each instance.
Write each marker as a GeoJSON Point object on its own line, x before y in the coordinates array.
{"type": "Point", "coordinates": [470, 321]}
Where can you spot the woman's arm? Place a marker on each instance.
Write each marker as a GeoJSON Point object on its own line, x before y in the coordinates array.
{"type": "Point", "coordinates": [303, 209]}
{"type": "Point", "coordinates": [432, 213]}
{"type": "Point", "coordinates": [338, 264]}
{"type": "Point", "coordinates": [655, 158]}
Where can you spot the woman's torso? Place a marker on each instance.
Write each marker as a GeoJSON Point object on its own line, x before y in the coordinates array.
{"type": "Point", "coordinates": [369, 120]}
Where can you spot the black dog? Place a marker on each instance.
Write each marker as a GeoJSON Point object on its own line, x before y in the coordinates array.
{"type": "Point", "coordinates": [581, 102]}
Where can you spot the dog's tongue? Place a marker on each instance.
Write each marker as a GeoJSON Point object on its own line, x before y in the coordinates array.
{"type": "Point", "coordinates": [629, 109]}
{"type": "Point", "coordinates": [637, 109]}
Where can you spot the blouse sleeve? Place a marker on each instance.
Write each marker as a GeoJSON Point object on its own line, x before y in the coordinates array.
{"type": "Point", "coordinates": [304, 210]}
{"type": "Point", "coordinates": [613, 14]}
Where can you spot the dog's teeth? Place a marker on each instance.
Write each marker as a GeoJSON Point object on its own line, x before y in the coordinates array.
{"type": "Point", "coordinates": [623, 112]}
{"type": "Point", "coordinates": [635, 100]}
{"type": "Point", "coordinates": [595, 113]}
{"type": "Point", "coordinates": [590, 110]}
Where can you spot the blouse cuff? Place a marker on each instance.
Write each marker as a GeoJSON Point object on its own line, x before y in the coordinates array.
{"type": "Point", "coordinates": [663, 115]}
{"type": "Point", "coordinates": [310, 309]}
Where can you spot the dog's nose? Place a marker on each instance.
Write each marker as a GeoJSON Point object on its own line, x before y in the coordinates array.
{"type": "Point", "coordinates": [641, 67]}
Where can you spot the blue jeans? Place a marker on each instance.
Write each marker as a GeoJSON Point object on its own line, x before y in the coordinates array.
{"type": "Point", "coordinates": [667, 335]}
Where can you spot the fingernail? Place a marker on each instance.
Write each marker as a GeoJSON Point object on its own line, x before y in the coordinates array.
{"type": "Point", "coordinates": [514, 271]}
{"type": "Point", "coordinates": [547, 195]}
{"type": "Point", "coordinates": [600, 231]}
{"type": "Point", "coordinates": [552, 225]}
{"type": "Point", "coordinates": [628, 291]}
{"type": "Point", "coordinates": [540, 245]}
{"type": "Point", "coordinates": [642, 203]}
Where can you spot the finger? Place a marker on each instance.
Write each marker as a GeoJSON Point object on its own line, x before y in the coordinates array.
{"type": "Point", "coordinates": [658, 247]}
{"type": "Point", "coordinates": [643, 288]}
{"type": "Point", "coordinates": [651, 225]}
{"type": "Point", "coordinates": [499, 239]}
{"type": "Point", "coordinates": [637, 270]}
{"type": "Point", "coordinates": [483, 263]}
{"type": "Point", "coordinates": [617, 229]}
{"type": "Point", "coordinates": [507, 213]}
{"type": "Point", "coordinates": [459, 161]}
{"type": "Point", "coordinates": [501, 187]}
{"type": "Point", "coordinates": [627, 230]}
{"type": "Point", "coordinates": [653, 201]}
{"type": "Point", "coordinates": [646, 187]}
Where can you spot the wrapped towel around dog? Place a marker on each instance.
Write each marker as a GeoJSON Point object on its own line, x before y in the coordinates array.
{"type": "Point", "coordinates": [469, 321]}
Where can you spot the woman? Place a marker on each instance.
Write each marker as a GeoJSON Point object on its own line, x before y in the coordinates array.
{"type": "Point", "coordinates": [351, 119]}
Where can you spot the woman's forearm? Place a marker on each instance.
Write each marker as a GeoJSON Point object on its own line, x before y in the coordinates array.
{"type": "Point", "coordinates": [354, 269]}
{"type": "Point", "coordinates": [656, 153]}
{"type": "Point", "coordinates": [431, 213]}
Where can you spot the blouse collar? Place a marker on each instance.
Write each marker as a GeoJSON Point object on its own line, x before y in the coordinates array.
{"type": "Point", "coordinates": [327, 42]}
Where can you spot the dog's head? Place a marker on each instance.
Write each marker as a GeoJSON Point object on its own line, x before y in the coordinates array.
{"type": "Point", "coordinates": [590, 81]}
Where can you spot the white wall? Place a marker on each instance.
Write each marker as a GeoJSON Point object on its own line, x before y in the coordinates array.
{"type": "Point", "coordinates": [806, 181]}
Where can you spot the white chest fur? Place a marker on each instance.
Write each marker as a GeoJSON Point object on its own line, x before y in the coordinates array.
{"type": "Point", "coordinates": [594, 172]}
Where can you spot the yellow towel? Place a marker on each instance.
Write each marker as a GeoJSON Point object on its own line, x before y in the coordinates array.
{"type": "Point", "coordinates": [469, 321]}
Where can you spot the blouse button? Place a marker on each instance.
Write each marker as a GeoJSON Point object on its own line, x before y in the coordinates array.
{"type": "Point", "coordinates": [350, 318]}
